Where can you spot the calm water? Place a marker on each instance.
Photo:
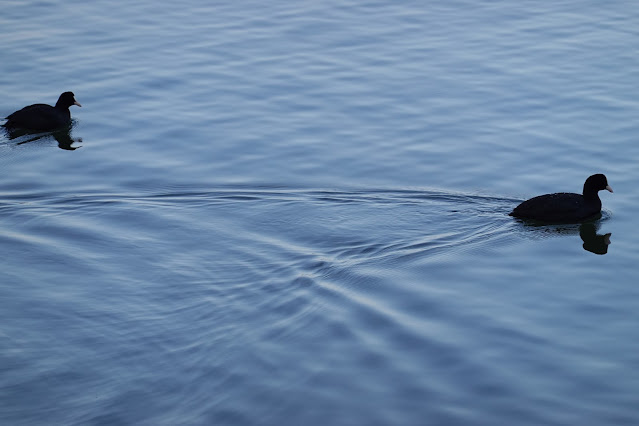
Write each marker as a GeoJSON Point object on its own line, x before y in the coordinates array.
{"type": "Point", "coordinates": [295, 213]}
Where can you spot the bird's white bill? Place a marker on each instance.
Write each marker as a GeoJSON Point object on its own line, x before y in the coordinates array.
{"type": "Point", "coordinates": [609, 188]}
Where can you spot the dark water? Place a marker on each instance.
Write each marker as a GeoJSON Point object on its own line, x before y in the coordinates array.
{"type": "Point", "coordinates": [296, 213]}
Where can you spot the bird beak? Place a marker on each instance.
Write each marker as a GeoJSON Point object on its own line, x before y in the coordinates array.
{"type": "Point", "coordinates": [76, 103]}
{"type": "Point", "coordinates": [609, 188]}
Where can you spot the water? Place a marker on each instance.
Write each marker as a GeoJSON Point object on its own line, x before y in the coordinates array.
{"type": "Point", "coordinates": [296, 213]}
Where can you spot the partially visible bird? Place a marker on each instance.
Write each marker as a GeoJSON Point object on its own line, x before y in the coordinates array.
{"type": "Point", "coordinates": [43, 117]}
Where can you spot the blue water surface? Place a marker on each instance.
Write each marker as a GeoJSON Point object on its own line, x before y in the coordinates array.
{"type": "Point", "coordinates": [296, 213]}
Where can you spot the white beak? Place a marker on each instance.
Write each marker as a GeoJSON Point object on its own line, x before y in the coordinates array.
{"type": "Point", "coordinates": [609, 188]}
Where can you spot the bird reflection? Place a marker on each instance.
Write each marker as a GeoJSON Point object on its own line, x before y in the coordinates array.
{"type": "Point", "coordinates": [62, 136]}
{"type": "Point", "coordinates": [592, 241]}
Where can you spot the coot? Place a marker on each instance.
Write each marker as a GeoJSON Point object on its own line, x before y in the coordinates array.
{"type": "Point", "coordinates": [565, 207]}
{"type": "Point", "coordinates": [43, 117]}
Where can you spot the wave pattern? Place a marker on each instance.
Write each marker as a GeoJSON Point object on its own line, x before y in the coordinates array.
{"type": "Point", "coordinates": [249, 283]}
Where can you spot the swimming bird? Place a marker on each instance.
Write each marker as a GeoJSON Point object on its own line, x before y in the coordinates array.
{"type": "Point", "coordinates": [43, 117]}
{"type": "Point", "coordinates": [565, 207]}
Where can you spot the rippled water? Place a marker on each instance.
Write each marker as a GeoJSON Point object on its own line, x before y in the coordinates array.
{"type": "Point", "coordinates": [295, 213]}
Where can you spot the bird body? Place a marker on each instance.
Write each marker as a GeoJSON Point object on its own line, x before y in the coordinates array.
{"type": "Point", "coordinates": [43, 117]}
{"type": "Point", "coordinates": [565, 207]}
